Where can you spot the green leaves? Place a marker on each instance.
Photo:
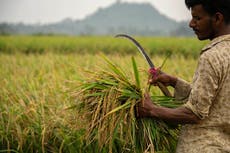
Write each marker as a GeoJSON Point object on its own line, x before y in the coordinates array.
{"type": "Point", "coordinates": [109, 101]}
{"type": "Point", "coordinates": [136, 73]}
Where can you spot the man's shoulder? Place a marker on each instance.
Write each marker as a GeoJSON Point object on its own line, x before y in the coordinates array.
{"type": "Point", "coordinates": [217, 46]}
{"type": "Point", "coordinates": [216, 57]}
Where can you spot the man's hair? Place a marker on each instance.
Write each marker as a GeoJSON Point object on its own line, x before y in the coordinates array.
{"type": "Point", "coordinates": [212, 7]}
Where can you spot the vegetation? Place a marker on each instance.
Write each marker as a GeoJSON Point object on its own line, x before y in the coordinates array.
{"type": "Point", "coordinates": [38, 110]}
{"type": "Point", "coordinates": [108, 100]}
{"type": "Point", "coordinates": [187, 47]}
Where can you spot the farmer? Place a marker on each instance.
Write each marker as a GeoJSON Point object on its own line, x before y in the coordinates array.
{"type": "Point", "coordinates": [205, 115]}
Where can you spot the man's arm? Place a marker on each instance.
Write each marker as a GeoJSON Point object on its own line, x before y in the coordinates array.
{"type": "Point", "coordinates": [180, 115]}
{"type": "Point", "coordinates": [182, 88]}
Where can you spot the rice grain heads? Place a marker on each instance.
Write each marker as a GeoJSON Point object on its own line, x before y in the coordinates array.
{"type": "Point", "coordinates": [107, 100]}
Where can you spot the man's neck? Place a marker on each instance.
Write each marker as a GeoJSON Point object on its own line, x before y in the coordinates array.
{"type": "Point", "coordinates": [224, 30]}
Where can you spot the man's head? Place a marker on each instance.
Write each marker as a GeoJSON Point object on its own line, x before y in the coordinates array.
{"type": "Point", "coordinates": [210, 18]}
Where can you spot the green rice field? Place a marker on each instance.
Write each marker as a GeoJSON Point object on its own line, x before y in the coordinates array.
{"type": "Point", "coordinates": [40, 74]}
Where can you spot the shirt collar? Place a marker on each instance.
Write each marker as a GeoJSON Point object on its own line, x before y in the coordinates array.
{"type": "Point", "coordinates": [216, 41]}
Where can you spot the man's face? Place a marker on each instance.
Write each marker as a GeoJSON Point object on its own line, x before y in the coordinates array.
{"type": "Point", "coordinates": [201, 23]}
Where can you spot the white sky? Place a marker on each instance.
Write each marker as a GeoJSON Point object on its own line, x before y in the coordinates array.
{"type": "Point", "coordinates": [46, 11]}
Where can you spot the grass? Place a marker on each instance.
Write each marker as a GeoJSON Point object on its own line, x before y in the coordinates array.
{"type": "Point", "coordinates": [33, 101]}
{"type": "Point", "coordinates": [35, 95]}
{"type": "Point", "coordinates": [108, 98]}
{"type": "Point", "coordinates": [37, 111]}
{"type": "Point", "coordinates": [187, 47]}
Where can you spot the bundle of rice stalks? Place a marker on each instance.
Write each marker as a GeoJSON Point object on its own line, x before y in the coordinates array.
{"type": "Point", "coordinates": [108, 99]}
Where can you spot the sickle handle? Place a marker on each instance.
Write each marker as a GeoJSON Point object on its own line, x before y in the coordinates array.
{"type": "Point", "coordinates": [164, 89]}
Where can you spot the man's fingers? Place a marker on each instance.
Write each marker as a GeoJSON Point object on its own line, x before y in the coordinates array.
{"type": "Point", "coordinates": [146, 96]}
{"type": "Point", "coordinates": [140, 109]}
{"type": "Point", "coordinates": [152, 81]}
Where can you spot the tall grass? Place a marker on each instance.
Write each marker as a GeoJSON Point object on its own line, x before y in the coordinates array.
{"type": "Point", "coordinates": [188, 47]}
{"type": "Point", "coordinates": [35, 114]}
{"type": "Point", "coordinates": [33, 101]}
{"type": "Point", "coordinates": [108, 99]}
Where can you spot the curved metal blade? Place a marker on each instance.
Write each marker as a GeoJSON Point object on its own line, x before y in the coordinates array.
{"type": "Point", "coordinates": [140, 48]}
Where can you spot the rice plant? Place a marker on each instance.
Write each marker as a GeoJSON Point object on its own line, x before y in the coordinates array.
{"type": "Point", "coordinates": [108, 99]}
{"type": "Point", "coordinates": [188, 47]}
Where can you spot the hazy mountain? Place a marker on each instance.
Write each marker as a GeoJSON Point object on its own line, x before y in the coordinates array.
{"type": "Point", "coordinates": [131, 18]}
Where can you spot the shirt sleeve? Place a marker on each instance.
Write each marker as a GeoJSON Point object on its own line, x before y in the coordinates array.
{"type": "Point", "coordinates": [204, 87]}
{"type": "Point", "coordinates": [182, 90]}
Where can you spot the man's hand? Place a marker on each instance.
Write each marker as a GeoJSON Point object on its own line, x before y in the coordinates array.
{"type": "Point", "coordinates": [180, 115]}
{"type": "Point", "coordinates": [146, 108]}
{"type": "Point", "coordinates": [164, 78]}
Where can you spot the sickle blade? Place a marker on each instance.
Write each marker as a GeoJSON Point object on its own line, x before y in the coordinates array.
{"type": "Point", "coordinates": [140, 48]}
{"type": "Point", "coordinates": [160, 85]}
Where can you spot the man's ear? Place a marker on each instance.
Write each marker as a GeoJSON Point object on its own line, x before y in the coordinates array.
{"type": "Point", "coordinates": [218, 19]}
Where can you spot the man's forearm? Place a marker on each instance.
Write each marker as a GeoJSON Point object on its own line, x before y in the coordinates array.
{"type": "Point", "coordinates": [179, 115]}
{"type": "Point", "coordinates": [173, 81]}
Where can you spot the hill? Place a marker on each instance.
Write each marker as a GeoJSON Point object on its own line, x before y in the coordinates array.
{"type": "Point", "coordinates": [131, 18]}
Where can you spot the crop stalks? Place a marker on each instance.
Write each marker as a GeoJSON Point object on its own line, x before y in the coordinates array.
{"type": "Point", "coordinates": [108, 99]}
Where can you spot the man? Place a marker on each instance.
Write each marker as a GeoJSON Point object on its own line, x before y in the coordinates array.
{"type": "Point", "coordinates": [206, 113]}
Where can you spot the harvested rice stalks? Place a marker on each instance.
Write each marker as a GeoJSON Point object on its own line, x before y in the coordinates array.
{"type": "Point", "coordinates": [108, 101]}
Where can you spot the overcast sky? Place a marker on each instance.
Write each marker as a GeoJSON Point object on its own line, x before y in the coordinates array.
{"type": "Point", "coordinates": [47, 11]}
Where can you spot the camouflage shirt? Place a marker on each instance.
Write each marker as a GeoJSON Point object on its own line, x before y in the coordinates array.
{"type": "Point", "coordinates": [209, 98]}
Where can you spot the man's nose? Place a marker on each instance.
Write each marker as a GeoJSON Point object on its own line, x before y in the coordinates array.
{"type": "Point", "coordinates": [192, 24]}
